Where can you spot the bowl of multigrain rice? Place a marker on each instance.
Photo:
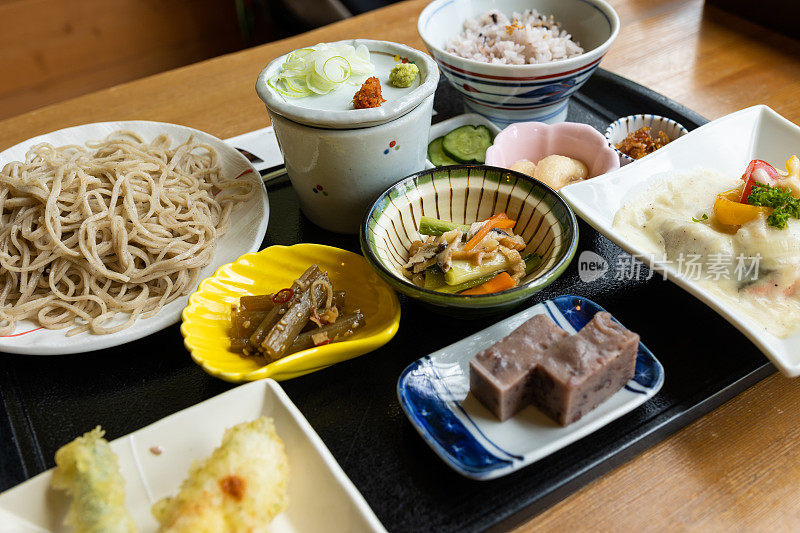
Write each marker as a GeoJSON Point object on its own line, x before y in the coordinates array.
{"type": "Point", "coordinates": [518, 60]}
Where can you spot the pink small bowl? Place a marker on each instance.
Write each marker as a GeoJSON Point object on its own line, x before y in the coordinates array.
{"type": "Point", "coordinates": [536, 140]}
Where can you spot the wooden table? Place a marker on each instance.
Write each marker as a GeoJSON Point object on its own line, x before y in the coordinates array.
{"type": "Point", "coordinates": [734, 469]}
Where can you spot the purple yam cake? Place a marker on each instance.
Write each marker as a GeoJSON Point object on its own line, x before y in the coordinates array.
{"type": "Point", "coordinates": [584, 370]}
{"type": "Point", "coordinates": [500, 375]}
{"type": "Point", "coordinates": [566, 376]}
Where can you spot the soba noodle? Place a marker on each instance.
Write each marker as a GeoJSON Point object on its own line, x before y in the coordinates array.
{"type": "Point", "coordinates": [118, 226]}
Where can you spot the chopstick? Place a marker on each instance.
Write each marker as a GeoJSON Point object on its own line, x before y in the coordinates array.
{"type": "Point", "coordinates": [271, 173]}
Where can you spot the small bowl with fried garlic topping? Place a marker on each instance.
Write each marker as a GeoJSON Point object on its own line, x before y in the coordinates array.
{"type": "Point", "coordinates": [635, 136]}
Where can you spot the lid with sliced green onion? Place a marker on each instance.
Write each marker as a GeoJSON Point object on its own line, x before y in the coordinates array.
{"type": "Point", "coordinates": [315, 85]}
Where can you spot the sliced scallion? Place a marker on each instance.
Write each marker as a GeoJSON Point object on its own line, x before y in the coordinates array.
{"type": "Point", "coordinates": [321, 69]}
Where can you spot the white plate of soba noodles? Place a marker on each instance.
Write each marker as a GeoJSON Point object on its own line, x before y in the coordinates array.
{"type": "Point", "coordinates": [105, 230]}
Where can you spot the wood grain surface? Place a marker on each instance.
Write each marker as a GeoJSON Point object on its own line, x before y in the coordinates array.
{"type": "Point", "coordinates": [51, 50]}
{"type": "Point", "coordinates": [735, 469]}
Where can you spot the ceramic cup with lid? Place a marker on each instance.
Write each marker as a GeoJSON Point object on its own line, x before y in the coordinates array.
{"type": "Point", "coordinates": [339, 158]}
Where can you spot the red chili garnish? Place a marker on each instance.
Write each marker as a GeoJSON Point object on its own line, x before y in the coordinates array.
{"type": "Point", "coordinates": [749, 180]}
{"type": "Point", "coordinates": [283, 296]}
{"type": "Point", "coordinates": [315, 318]}
{"type": "Point", "coordinates": [323, 343]}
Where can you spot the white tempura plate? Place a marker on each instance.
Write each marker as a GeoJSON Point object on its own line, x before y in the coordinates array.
{"type": "Point", "coordinates": [321, 496]}
{"type": "Point", "coordinates": [246, 232]}
{"type": "Point", "coordinates": [725, 145]}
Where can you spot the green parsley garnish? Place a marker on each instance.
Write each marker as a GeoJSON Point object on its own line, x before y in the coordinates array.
{"type": "Point", "coordinates": [701, 219]}
{"type": "Point", "coordinates": [780, 199]}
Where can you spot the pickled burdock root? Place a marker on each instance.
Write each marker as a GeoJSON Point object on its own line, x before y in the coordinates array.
{"type": "Point", "coordinates": [276, 313]}
{"type": "Point", "coordinates": [258, 302]}
{"type": "Point", "coordinates": [344, 327]}
{"type": "Point", "coordinates": [309, 313]}
{"type": "Point", "coordinates": [302, 305]}
{"type": "Point", "coordinates": [244, 323]}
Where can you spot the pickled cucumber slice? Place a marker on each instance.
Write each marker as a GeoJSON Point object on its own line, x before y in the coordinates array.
{"type": "Point", "coordinates": [467, 144]}
{"type": "Point", "coordinates": [437, 156]}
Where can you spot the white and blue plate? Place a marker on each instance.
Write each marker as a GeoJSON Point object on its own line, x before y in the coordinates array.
{"type": "Point", "coordinates": [434, 393]}
{"type": "Point", "coordinates": [618, 130]}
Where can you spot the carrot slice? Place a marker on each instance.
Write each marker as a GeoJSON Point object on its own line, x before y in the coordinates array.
{"type": "Point", "coordinates": [504, 224]}
{"type": "Point", "coordinates": [499, 220]}
{"type": "Point", "coordinates": [500, 282]}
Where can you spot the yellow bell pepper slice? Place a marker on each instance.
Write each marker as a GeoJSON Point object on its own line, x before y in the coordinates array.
{"type": "Point", "coordinates": [731, 212]}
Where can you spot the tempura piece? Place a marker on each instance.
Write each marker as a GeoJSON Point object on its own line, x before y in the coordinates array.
{"type": "Point", "coordinates": [239, 488]}
{"type": "Point", "coordinates": [87, 469]}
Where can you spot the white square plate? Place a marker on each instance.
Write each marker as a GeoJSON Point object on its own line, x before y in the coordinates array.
{"type": "Point", "coordinates": [725, 145]}
{"type": "Point", "coordinates": [321, 497]}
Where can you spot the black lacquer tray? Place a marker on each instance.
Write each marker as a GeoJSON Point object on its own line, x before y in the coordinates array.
{"type": "Point", "coordinates": [47, 401]}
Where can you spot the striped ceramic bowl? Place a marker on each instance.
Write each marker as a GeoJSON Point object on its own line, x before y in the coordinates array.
{"type": "Point", "coordinates": [620, 128]}
{"type": "Point", "coordinates": [518, 93]}
{"type": "Point", "coordinates": [465, 194]}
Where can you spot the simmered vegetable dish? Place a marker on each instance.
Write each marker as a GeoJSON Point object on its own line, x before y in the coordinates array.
{"type": "Point", "coordinates": [469, 259]}
{"type": "Point", "coordinates": [307, 314]}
